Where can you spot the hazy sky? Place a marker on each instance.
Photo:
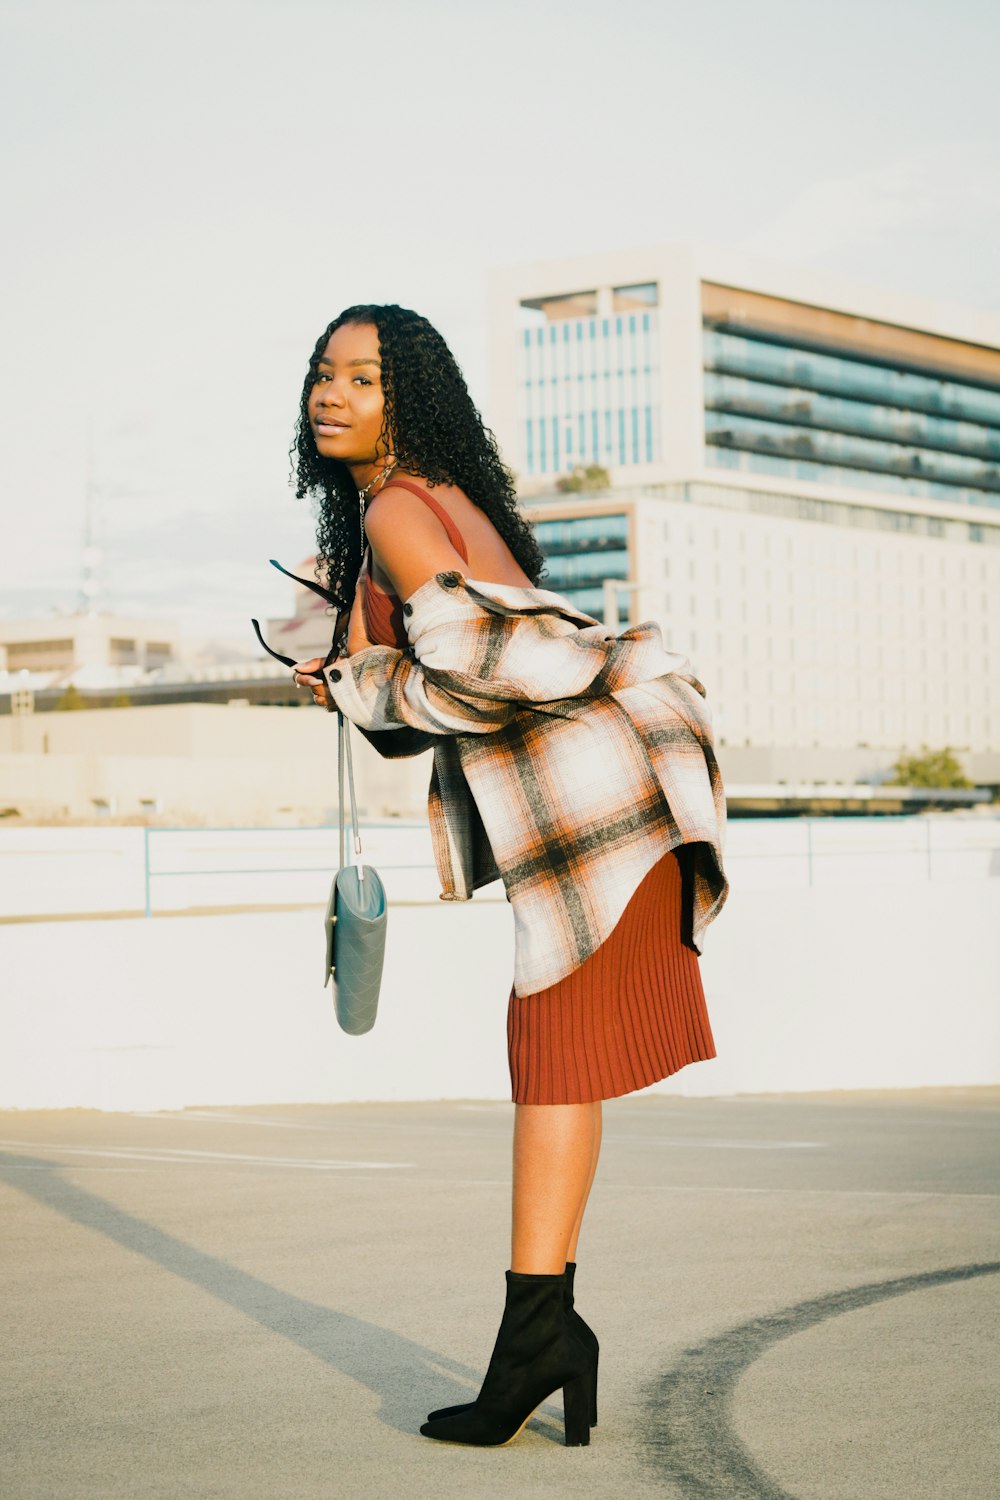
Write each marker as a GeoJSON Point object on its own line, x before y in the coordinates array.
{"type": "Point", "coordinates": [194, 189]}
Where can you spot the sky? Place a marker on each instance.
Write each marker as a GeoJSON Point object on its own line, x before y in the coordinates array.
{"type": "Point", "coordinates": [194, 189]}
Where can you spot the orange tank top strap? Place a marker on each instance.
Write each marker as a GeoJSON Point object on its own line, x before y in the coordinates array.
{"type": "Point", "coordinates": [454, 535]}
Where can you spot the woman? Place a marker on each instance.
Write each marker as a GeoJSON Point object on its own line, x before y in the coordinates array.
{"type": "Point", "coordinates": [554, 744]}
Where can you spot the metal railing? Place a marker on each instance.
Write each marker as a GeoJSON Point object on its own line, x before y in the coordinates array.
{"type": "Point", "coordinates": [327, 844]}
{"type": "Point", "coordinates": [814, 841]}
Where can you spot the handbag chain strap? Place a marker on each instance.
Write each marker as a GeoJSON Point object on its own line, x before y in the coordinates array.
{"type": "Point", "coordinates": [344, 753]}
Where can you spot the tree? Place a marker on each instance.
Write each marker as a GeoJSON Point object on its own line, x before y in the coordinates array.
{"type": "Point", "coordinates": [121, 700]}
{"type": "Point", "coordinates": [71, 698]}
{"type": "Point", "coordinates": [593, 477]}
{"type": "Point", "coordinates": [938, 768]}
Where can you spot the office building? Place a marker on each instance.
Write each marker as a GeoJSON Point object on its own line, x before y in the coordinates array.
{"type": "Point", "coordinates": [804, 490]}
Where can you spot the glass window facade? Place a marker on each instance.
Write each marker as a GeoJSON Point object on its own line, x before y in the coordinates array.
{"type": "Point", "coordinates": [587, 388]}
{"type": "Point", "coordinates": [836, 513]}
{"type": "Point", "coordinates": [580, 553]}
{"type": "Point", "coordinates": [644, 294]}
{"type": "Point", "coordinates": [774, 407]}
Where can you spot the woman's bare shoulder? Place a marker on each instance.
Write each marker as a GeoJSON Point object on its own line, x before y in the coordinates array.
{"type": "Point", "coordinates": [408, 542]}
{"type": "Point", "coordinates": [490, 558]}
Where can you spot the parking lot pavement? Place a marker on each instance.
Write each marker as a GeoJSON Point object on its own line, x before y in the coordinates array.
{"type": "Point", "coordinates": [796, 1296]}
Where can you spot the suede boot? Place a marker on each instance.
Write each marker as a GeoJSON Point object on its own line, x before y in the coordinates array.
{"type": "Point", "coordinates": [535, 1354]}
{"type": "Point", "coordinates": [584, 1333]}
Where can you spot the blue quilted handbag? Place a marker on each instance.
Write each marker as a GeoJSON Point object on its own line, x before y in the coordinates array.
{"type": "Point", "coordinates": [355, 918]}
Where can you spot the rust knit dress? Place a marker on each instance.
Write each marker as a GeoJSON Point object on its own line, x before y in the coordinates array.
{"type": "Point", "coordinates": [633, 1012]}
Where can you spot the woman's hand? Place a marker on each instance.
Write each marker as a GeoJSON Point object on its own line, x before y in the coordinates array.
{"type": "Point", "coordinates": [304, 672]}
{"type": "Point", "coordinates": [304, 675]}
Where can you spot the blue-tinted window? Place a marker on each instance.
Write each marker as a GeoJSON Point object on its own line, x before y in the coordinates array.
{"type": "Point", "coordinates": [583, 533]}
{"type": "Point", "coordinates": [839, 375]}
{"type": "Point", "coordinates": [811, 445]}
{"type": "Point", "coordinates": [839, 420]}
{"type": "Point", "coordinates": [588, 601]}
{"type": "Point", "coordinates": [586, 567]}
{"type": "Point", "coordinates": [738, 394]}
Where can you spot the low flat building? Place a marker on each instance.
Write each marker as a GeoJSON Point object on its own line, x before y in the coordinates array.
{"type": "Point", "coordinates": [61, 646]}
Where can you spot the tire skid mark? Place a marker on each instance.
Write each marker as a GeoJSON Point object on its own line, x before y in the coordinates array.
{"type": "Point", "coordinates": [694, 1443]}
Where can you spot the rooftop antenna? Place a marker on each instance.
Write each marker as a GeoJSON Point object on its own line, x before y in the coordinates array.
{"type": "Point", "coordinates": [91, 558]}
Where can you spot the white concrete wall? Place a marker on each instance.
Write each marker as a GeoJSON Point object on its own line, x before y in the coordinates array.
{"type": "Point", "coordinates": [200, 763]}
{"type": "Point", "coordinates": [750, 598]}
{"type": "Point", "coordinates": [871, 984]}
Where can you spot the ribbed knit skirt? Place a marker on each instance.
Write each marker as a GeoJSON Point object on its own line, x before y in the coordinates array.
{"type": "Point", "coordinates": [632, 1013]}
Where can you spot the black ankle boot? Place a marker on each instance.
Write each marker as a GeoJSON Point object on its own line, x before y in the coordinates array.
{"type": "Point", "coordinates": [535, 1354]}
{"type": "Point", "coordinates": [586, 1336]}
{"type": "Point", "coordinates": [584, 1333]}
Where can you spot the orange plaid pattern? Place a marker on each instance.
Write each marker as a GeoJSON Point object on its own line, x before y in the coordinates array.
{"type": "Point", "coordinates": [567, 760]}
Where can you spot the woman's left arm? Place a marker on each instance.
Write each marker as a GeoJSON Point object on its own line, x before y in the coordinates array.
{"type": "Point", "coordinates": [408, 541]}
{"type": "Point", "coordinates": [382, 687]}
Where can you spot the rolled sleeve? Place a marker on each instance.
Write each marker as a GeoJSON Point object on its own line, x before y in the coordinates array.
{"type": "Point", "coordinates": [382, 688]}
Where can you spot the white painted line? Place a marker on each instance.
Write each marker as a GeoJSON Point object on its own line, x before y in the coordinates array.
{"type": "Point", "coordinates": [59, 1166]}
{"type": "Point", "coordinates": [669, 1187]}
{"type": "Point", "coordinates": [613, 1139]}
{"type": "Point", "coordinates": [224, 1117]}
{"type": "Point", "coordinates": [130, 1153]}
{"type": "Point", "coordinates": [655, 1187]}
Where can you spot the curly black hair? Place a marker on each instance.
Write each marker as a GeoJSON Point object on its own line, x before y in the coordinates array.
{"type": "Point", "coordinates": [437, 432]}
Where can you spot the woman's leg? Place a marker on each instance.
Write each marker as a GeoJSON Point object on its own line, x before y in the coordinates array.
{"type": "Point", "coordinates": [555, 1156]}
{"type": "Point", "coordinates": [598, 1126]}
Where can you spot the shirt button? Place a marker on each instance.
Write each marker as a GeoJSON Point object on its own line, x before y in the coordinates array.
{"type": "Point", "coordinates": [450, 580]}
{"type": "Point", "coordinates": [335, 674]}
{"type": "Point", "coordinates": [407, 609]}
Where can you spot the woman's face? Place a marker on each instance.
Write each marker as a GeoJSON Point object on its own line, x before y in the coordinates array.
{"type": "Point", "coordinates": [346, 401]}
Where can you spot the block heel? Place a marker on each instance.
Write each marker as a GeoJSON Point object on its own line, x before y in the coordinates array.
{"type": "Point", "coordinates": [576, 1411]}
{"type": "Point", "coordinates": [592, 1389]}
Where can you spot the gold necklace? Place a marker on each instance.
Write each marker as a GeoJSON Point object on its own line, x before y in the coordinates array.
{"type": "Point", "coordinates": [363, 496]}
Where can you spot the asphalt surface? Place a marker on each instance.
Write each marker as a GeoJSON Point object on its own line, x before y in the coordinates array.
{"type": "Point", "coordinates": [796, 1296]}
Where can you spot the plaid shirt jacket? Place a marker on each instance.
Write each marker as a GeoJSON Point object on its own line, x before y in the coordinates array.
{"type": "Point", "coordinates": [567, 760]}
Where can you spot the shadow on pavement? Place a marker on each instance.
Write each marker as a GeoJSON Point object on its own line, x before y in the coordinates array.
{"type": "Point", "coordinates": [410, 1379]}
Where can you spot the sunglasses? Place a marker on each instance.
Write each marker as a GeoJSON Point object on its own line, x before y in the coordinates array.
{"type": "Point", "coordinates": [317, 588]}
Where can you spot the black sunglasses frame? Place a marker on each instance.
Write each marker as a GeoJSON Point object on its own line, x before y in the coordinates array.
{"type": "Point", "coordinates": [317, 588]}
